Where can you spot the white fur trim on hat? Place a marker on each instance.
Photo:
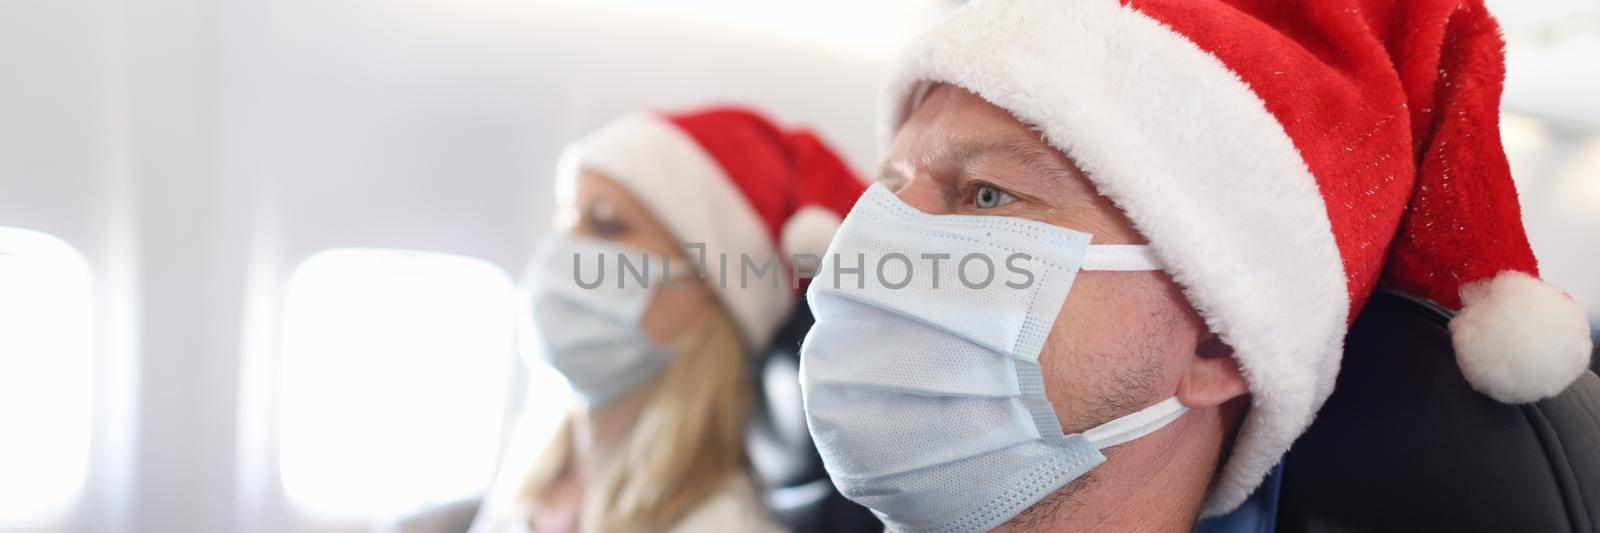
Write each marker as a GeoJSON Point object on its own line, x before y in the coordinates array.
{"type": "Point", "coordinates": [689, 193]}
{"type": "Point", "coordinates": [1518, 339]}
{"type": "Point", "coordinates": [1200, 166]}
{"type": "Point", "coordinates": [809, 231]}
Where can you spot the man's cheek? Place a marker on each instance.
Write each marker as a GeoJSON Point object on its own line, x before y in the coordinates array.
{"type": "Point", "coordinates": [1068, 382]}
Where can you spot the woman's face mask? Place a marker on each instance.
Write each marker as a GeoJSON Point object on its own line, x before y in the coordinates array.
{"type": "Point", "coordinates": [586, 302]}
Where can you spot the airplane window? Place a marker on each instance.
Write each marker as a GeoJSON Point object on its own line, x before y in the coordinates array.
{"type": "Point", "coordinates": [45, 375]}
{"type": "Point", "coordinates": [395, 369]}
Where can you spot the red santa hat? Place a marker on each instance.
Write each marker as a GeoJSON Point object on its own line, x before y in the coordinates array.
{"type": "Point", "coordinates": [733, 181]}
{"type": "Point", "coordinates": [1283, 159]}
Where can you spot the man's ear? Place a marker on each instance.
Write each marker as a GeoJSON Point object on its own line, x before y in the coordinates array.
{"type": "Point", "coordinates": [1213, 377]}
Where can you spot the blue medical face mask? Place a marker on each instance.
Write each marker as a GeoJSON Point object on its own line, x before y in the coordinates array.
{"type": "Point", "coordinates": [584, 313]}
{"type": "Point", "coordinates": [921, 382]}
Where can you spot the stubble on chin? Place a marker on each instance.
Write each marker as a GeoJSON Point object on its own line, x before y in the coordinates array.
{"type": "Point", "coordinates": [1128, 390]}
{"type": "Point", "coordinates": [1042, 515]}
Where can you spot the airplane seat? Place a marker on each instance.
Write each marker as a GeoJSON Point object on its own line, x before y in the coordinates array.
{"type": "Point", "coordinates": [783, 460]}
{"type": "Point", "coordinates": [450, 517]}
{"type": "Point", "coordinates": [1594, 360]}
{"type": "Point", "coordinates": [1405, 444]}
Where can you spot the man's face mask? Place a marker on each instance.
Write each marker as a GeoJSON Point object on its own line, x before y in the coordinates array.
{"type": "Point", "coordinates": [921, 377]}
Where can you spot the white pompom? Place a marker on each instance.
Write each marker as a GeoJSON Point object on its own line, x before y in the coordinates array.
{"type": "Point", "coordinates": [809, 231]}
{"type": "Point", "coordinates": [1518, 339]}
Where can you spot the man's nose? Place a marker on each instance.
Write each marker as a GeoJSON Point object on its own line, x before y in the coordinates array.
{"type": "Point", "coordinates": [926, 194]}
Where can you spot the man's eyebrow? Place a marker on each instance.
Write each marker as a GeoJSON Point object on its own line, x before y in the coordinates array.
{"type": "Point", "coordinates": [1023, 152]}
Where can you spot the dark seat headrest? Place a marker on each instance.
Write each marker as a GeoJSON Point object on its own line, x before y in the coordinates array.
{"type": "Point", "coordinates": [784, 461]}
{"type": "Point", "coordinates": [1405, 444]}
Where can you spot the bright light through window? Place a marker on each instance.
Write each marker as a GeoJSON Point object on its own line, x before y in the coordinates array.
{"type": "Point", "coordinates": [45, 326]}
{"type": "Point", "coordinates": [395, 369]}
{"type": "Point", "coordinates": [1579, 181]}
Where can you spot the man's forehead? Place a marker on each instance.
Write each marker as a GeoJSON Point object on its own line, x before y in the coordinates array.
{"type": "Point", "coordinates": [954, 128]}
{"type": "Point", "coordinates": [956, 108]}
{"type": "Point", "coordinates": [953, 124]}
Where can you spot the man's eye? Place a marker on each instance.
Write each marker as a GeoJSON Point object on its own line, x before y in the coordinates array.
{"type": "Point", "coordinates": [989, 197]}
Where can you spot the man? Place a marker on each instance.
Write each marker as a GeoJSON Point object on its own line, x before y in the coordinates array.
{"type": "Point", "coordinates": [1104, 278]}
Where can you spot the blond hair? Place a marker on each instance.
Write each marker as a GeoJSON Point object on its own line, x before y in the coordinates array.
{"type": "Point", "coordinates": [681, 449]}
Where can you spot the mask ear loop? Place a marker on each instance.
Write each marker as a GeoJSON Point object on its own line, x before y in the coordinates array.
{"type": "Point", "coordinates": [1137, 424]}
{"type": "Point", "coordinates": [1129, 258]}
{"type": "Point", "coordinates": [1120, 258]}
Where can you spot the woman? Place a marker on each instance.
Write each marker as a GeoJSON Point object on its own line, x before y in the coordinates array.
{"type": "Point", "coordinates": [649, 298]}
